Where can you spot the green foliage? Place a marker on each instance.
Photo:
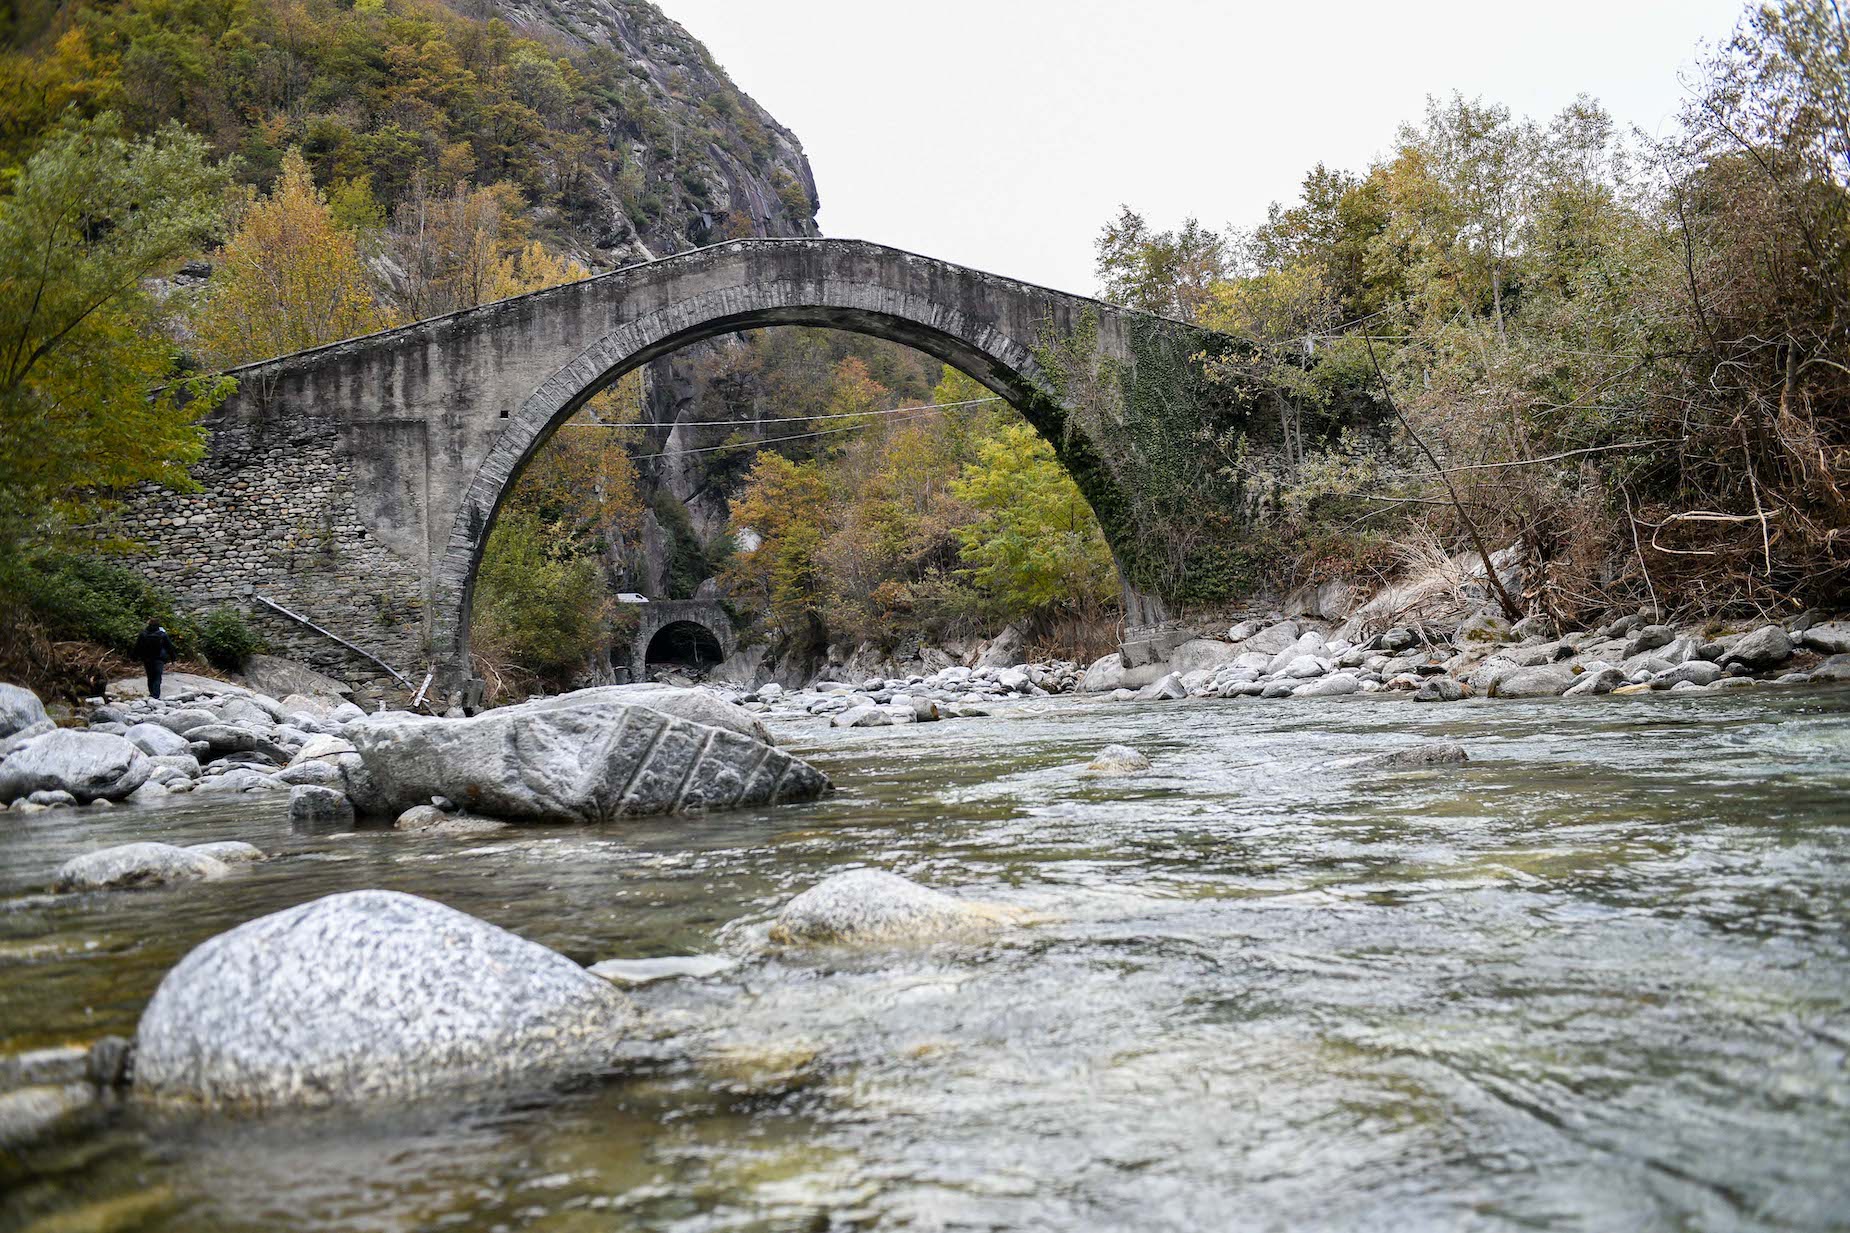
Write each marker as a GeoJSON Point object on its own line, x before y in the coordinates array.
{"type": "Point", "coordinates": [536, 606]}
{"type": "Point", "coordinates": [1034, 546]}
{"type": "Point", "coordinates": [688, 564]}
{"type": "Point", "coordinates": [227, 640]}
{"type": "Point", "coordinates": [87, 598]}
{"type": "Point", "coordinates": [89, 401]}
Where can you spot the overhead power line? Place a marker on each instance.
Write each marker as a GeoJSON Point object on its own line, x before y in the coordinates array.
{"type": "Point", "coordinates": [798, 419]}
{"type": "Point", "coordinates": [763, 441]}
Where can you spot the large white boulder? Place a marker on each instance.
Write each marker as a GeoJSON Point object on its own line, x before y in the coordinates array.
{"type": "Point", "coordinates": [368, 997]}
{"type": "Point", "coordinates": [157, 741]}
{"type": "Point", "coordinates": [88, 765]}
{"type": "Point", "coordinates": [19, 708]}
{"type": "Point", "coordinates": [696, 705]}
{"type": "Point", "coordinates": [588, 757]}
{"type": "Point", "coordinates": [1199, 653]}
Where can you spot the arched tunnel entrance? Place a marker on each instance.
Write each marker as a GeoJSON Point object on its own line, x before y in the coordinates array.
{"type": "Point", "coordinates": [683, 644]}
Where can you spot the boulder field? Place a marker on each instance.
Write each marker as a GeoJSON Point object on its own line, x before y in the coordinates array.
{"type": "Point", "coordinates": [588, 756]}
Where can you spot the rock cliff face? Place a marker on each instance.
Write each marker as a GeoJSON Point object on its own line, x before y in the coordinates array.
{"type": "Point", "coordinates": [702, 161]}
{"type": "Point", "coordinates": [705, 163]}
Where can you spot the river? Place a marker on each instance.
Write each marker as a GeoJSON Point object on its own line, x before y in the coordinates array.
{"type": "Point", "coordinates": [1599, 978]}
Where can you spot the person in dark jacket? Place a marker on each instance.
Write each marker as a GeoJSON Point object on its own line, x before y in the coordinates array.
{"type": "Point", "coordinates": [154, 648]}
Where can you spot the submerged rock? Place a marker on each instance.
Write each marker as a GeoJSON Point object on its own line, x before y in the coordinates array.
{"type": "Point", "coordinates": [366, 997]}
{"type": "Point", "coordinates": [869, 905]}
{"type": "Point", "coordinates": [1118, 760]}
{"type": "Point", "coordinates": [1437, 754]}
{"type": "Point", "coordinates": [316, 807]}
{"type": "Point", "coordinates": [229, 851]}
{"type": "Point", "coordinates": [88, 765]}
{"type": "Point", "coordinates": [431, 820]}
{"type": "Point", "coordinates": [137, 864]}
{"type": "Point", "coordinates": [644, 971]}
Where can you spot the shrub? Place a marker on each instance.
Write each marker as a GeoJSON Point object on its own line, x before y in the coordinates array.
{"type": "Point", "coordinates": [87, 598]}
{"type": "Point", "coordinates": [227, 640]}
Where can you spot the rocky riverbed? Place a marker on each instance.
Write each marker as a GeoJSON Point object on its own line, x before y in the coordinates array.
{"type": "Point", "coordinates": [1364, 963]}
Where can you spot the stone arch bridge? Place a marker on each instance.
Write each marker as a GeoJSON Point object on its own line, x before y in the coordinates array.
{"type": "Point", "coordinates": [355, 484]}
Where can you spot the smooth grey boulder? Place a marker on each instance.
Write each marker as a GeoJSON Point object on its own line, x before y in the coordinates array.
{"type": "Point", "coordinates": [157, 741]}
{"type": "Point", "coordinates": [1648, 638]}
{"type": "Point", "coordinates": [1304, 667]}
{"type": "Point", "coordinates": [136, 864]}
{"type": "Point", "coordinates": [1273, 638]}
{"type": "Point", "coordinates": [318, 807]}
{"type": "Point", "coordinates": [370, 997]}
{"type": "Point", "coordinates": [1601, 679]}
{"type": "Point", "coordinates": [1488, 673]}
{"type": "Point", "coordinates": [315, 771]}
{"type": "Point", "coordinates": [1547, 681]}
{"type": "Point", "coordinates": [1692, 671]}
{"type": "Point", "coordinates": [1831, 637]}
{"type": "Point", "coordinates": [870, 905]}
{"type": "Point", "coordinates": [184, 764]}
{"type": "Point", "coordinates": [861, 715]}
{"type": "Point", "coordinates": [1438, 689]}
{"type": "Point", "coordinates": [1534, 627]}
{"type": "Point", "coordinates": [1832, 670]}
{"type": "Point", "coordinates": [19, 708]}
{"type": "Point", "coordinates": [237, 779]}
{"type": "Point", "coordinates": [88, 765]}
{"type": "Point", "coordinates": [1104, 675]}
{"type": "Point", "coordinates": [185, 719]}
{"type": "Point", "coordinates": [591, 760]}
{"type": "Point", "coordinates": [1168, 689]}
{"type": "Point", "coordinates": [1419, 756]}
{"type": "Point", "coordinates": [235, 738]}
{"type": "Point", "coordinates": [1328, 687]}
{"type": "Point", "coordinates": [1199, 653]}
{"type": "Point", "coordinates": [1766, 647]}
{"type": "Point", "coordinates": [1118, 760]}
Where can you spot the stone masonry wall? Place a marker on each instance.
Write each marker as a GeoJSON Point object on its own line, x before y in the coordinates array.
{"type": "Point", "coordinates": [276, 517]}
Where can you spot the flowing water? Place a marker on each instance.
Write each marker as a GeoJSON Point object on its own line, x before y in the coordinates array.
{"type": "Point", "coordinates": [1599, 978]}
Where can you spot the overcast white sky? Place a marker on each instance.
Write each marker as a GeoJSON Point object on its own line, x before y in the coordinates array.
{"type": "Point", "coordinates": [1004, 133]}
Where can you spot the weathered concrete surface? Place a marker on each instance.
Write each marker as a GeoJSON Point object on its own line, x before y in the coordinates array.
{"type": "Point", "coordinates": [356, 483]}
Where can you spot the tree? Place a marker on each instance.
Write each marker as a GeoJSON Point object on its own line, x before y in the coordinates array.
{"type": "Point", "coordinates": [785, 507]}
{"type": "Point", "coordinates": [289, 278]}
{"type": "Point", "coordinates": [90, 400]}
{"type": "Point", "coordinates": [1034, 547]}
{"type": "Point", "coordinates": [532, 268]}
{"type": "Point", "coordinates": [539, 605]}
{"type": "Point", "coordinates": [1164, 272]}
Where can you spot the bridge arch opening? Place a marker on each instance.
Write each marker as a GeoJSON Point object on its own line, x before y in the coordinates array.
{"type": "Point", "coordinates": [686, 644]}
